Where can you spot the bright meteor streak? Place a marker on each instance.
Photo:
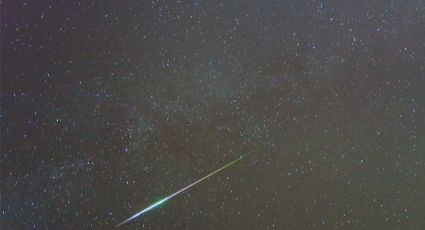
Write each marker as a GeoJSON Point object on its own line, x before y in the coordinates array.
{"type": "Point", "coordinates": [156, 204]}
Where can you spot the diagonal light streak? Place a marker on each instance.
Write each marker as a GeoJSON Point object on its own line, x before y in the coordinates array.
{"type": "Point", "coordinates": [156, 204]}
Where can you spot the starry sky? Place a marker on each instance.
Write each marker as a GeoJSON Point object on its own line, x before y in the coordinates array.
{"type": "Point", "coordinates": [108, 106]}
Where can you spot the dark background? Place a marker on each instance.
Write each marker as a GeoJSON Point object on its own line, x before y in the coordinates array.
{"type": "Point", "coordinates": [108, 106]}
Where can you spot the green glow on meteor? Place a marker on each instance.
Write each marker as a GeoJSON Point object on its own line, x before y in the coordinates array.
{"type": "Point", "coordinates": [156, 204]}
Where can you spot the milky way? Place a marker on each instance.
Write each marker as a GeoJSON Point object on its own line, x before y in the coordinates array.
{"type": "Point", "coordinates": [107, 105]}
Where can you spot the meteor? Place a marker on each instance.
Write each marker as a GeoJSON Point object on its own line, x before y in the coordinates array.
{"type": "Point", "coordinates": [156, 204]}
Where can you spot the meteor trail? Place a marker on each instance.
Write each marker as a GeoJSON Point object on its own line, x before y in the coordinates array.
{"type": "Point", "coordinates": [156, 204]}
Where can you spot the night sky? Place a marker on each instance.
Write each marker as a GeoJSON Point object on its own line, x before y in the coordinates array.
{"type": "Point", "coordinates": [108, 106]}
